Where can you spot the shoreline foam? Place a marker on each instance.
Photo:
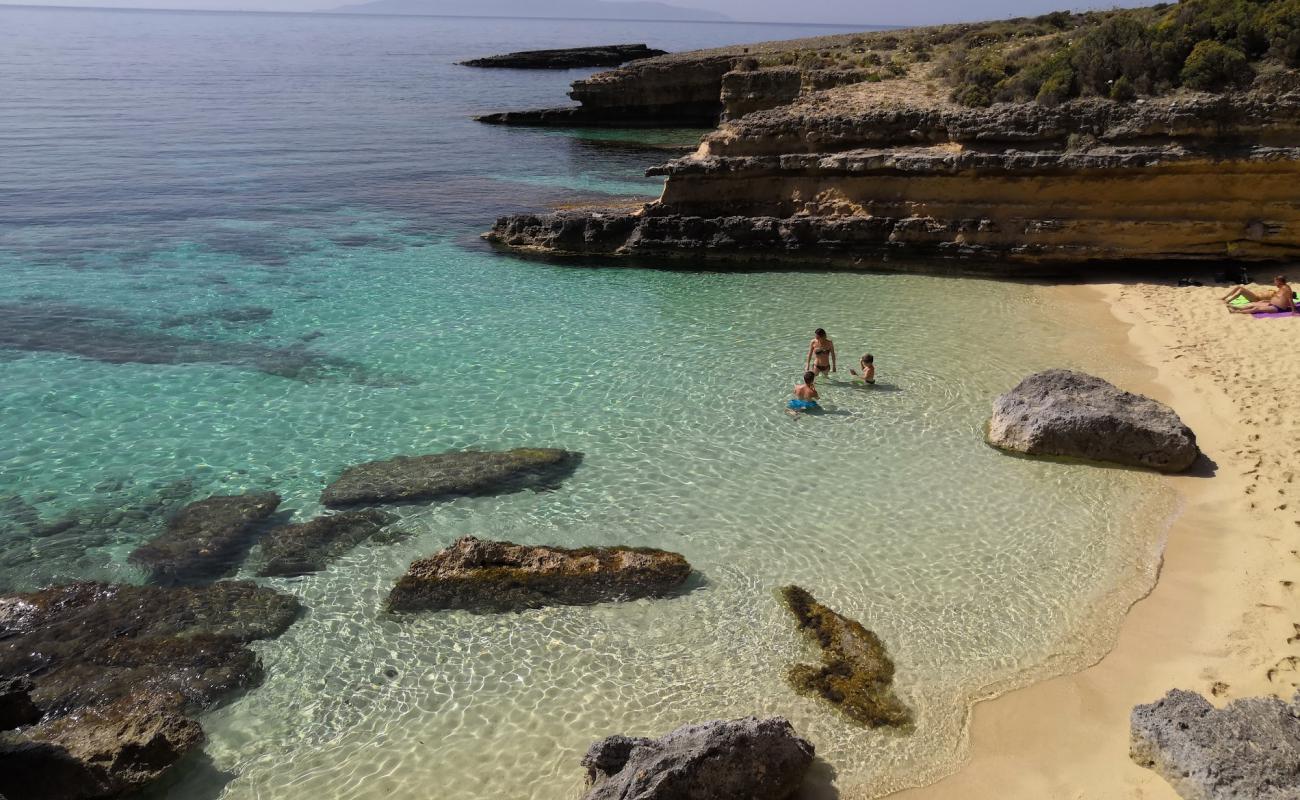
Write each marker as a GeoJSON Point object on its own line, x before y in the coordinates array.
{"type": "Point", "coordinates": [1220, 616]}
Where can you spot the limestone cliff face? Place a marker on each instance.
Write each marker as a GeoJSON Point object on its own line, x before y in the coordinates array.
{"type": "Point", "coordinates": [874, 173]}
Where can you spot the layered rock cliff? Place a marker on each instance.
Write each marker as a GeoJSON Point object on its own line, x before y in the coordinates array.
{"type": "Point", "coordinates": [837, 162]}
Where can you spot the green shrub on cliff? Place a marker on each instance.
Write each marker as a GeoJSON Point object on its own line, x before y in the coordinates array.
{"type": "Point", "coordinates": [1208, 45]}
{"type": "Point", "coordinates": [1214, 67]}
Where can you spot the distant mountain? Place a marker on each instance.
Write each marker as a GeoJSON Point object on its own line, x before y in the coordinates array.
{"type": "Point", "coordinates": [581, 9]}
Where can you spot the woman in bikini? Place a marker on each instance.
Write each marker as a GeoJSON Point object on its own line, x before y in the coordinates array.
{"type": "Point", "coordinates": [1281, 301]}
{"type": "Point", "coordinates": [822, 351]}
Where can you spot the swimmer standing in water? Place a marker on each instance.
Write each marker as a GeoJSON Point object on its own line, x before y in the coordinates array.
{"type": "Point", "coordinates": [805, 396]}
{"type": "Point", "coordinates": [821, 353]}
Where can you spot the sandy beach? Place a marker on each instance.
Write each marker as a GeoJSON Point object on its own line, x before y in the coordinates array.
{"type": "Point", "coordinates": [1224, 617]}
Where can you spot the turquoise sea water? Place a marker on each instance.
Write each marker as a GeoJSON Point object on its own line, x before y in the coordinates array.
{"type": "Point", "coordinates": [239, 252]}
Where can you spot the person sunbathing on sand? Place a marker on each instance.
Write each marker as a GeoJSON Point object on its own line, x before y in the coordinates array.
{"type": "Point", "coordinates": [1282, 299]}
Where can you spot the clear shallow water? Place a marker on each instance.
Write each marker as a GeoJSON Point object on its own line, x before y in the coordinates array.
{"type": "Point", "coordinates": [239, 251]}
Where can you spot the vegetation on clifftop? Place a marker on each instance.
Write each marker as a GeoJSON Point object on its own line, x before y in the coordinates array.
{"type": "Point", "coordinates": [1211, 45]}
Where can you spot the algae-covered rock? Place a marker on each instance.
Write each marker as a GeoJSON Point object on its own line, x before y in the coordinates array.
{"type": "Point", "coordinates": [446, 475]}
{"type": "Point", "coordinates": [16, 707]}
{"type": "Point", "coordinates": [749, 758]}
{"type": "Point", "coordinates": [205, 540]}
{"type": "Point", "coordinates": [116, 670]}
{"type": "Point", "coordinates": [1250, 748]}
{"type": "Point", "coordinates": [1065, 413]}
{"type": "Point", "coordinates": [856, 674]}
{"type": "Point", "coordinates": [310, 546]}
{"type": "Point", "coordinates": [503, 576]}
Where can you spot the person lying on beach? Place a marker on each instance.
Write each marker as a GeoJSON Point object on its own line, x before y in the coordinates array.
{"type": "Point", "coordinates": [1282, 299]}
{"type": "Point", "coordinates": [805, 396]}
{"type": "Point", "coordinates": [868, 364]}
{"type": "Point", "coordinates": [821, 350]}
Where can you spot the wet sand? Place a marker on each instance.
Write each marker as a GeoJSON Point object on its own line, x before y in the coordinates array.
{"type": "Point", "coordinates": [1224, 616]}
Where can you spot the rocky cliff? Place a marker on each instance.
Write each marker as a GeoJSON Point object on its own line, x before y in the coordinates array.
{"type": "Point", "coordinates": [854, 152]}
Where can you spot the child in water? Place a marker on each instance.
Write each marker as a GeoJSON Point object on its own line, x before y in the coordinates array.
{"type": "Point", "coordinates": [868, 364]}
{"type": "Point", "coordinates": [805, 396]}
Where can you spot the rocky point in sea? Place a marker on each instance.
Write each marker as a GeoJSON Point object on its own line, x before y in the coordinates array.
{"type": "Point", "coordinates": [502, 576]}
{"type": "Point", "coordinates": [442, 476]}
{"type": "Point", "coordinates": [750, 758]}
{"type": "Point", "coordinates": [856, 674]}
{"type": "Point", "coordinates": [207, 539]}
{"type": "Point", "coordinates": [1248, 749]}
{"type": "Point", "coordinates": [1063, 413]}
{"type": "Point", "coordinates": [115, 673]}
{"type": "Point", "coordinates": [309, 546]}
{"type": "Point", "coordinates": [608, 55]}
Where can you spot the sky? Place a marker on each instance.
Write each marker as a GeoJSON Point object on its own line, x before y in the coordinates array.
{"type": "Point", "coordinates": [864, 12]}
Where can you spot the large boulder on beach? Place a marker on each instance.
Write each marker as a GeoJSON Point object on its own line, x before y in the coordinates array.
{"type": "Point", "coordinates": [116, 672]}
{"type": "Point", "coordinates": [309, 546]}
{"type": "Point", "coordinates": [755, 759]}
{"type": "Point", "coordinates": [1250, 748]}
{"type": "Point", "coordinates": [442, 476]}
{"type": "Point", "coordinates": [1070, 414]}
{"type": "Point", "coordinates": [856, 675]}
{"type": "Point", "coordinates": [502, 576]}
{"type": "Point", "coordinates": [205, 540]}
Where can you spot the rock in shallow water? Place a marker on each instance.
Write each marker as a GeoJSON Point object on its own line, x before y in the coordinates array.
{"type": "Point", "coordinates": [1071, 414]}
{"type": "Point", "coordinates": [503, 576]}
{"type": "Point", "coordinates": [608, 55]}
{"type": "Point", "coordinates": [310, 546]}
{"type": "Point", "coordinates": [446, 475]}
{"type": "Point", "coordinates": [1249, 749]}
{"type": "Point", "coordinates": [206, 540]}
{"type": "Point", "coordinates": [856, 675]}
{"type": "Point", "coordinates": [116, 670]}
{"type": "Point", "coordinates": [720, 760]}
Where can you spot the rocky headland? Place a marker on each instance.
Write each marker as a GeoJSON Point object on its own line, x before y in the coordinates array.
{"type": "Point", "coordinates": [990, 148]}
{"type": "Point", "coordinates": [609, 55]}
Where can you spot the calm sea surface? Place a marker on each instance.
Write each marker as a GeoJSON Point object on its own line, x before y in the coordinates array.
{"type": "Point", "coordinates": [239, 252]}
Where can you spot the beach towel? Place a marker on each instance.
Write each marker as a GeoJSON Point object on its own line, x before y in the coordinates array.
{"type": "Point", "coordinates": [1272, 314]}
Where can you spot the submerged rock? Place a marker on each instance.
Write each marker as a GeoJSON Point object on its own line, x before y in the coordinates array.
{"type": "Point", "coordinates": [856, 675]}
{"type": "Point", "coordinates": [1071, 414]}
{"type": "Point", "coordinates": [207, 539]}
{"type": "Point", "coordinates": [446, 475]}
{"type": "Point", "coordinates": [609, 55]}
{"type": "Point", "coordinates": [102, 752]}
{"type": "Point", "coordinates": [309, 546]}
{"type": "Point", "coordinates": [720, 760]}
{"type": "Point", "coordinates": [503, 576]}
{"type": "Point", "coordinates": [1250, 748]}
{"type": "Point", "coordinates": [115, 670]}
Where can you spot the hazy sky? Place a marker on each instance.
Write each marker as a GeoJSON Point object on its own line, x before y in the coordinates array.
{"type": "Point", "coordinates": [879, 12]}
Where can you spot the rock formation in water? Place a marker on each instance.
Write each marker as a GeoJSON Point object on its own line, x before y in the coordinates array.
{"type": "Point", "coordinates": [503, 576]}
{"type": "Point", "coordinates": [750, 758]}
{"type": "Point", "coordinates": [441, 476]}
{"type": "Point", "coordinates": [207, 539]}
{"type": "Point", "coordinates": [876, 151]}
{"type": "Point", "coordinates": [310, 546]}
{"type": "Point", "coordinates": [1249, 749]}
{"type": "Point", "coordinates": [609, 55]}
{"type": "Point", "coordinates": [1070, 414]}
{"type": "Point", "coordinates": [856, 674]}
{"type": "Point", "coordinates": [115, 672]}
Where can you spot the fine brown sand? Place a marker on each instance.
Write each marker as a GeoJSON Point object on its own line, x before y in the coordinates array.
{"type": "Point", "coordinates": [1224, 616]}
